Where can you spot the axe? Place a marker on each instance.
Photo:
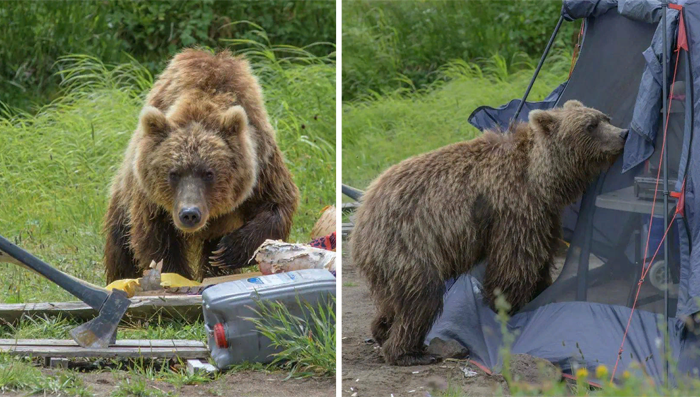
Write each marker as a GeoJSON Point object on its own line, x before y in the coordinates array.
{"type": "Point", "coordinates": [99, 332]}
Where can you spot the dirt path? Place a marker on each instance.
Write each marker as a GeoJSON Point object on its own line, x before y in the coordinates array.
{"type": "Point", "coordinates": [243, 384]}
{"type": "Point", "coordinates": [366, 374]}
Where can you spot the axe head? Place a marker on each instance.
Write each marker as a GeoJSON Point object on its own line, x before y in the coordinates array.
{"type": "Point", "coordinates": [101, 331]}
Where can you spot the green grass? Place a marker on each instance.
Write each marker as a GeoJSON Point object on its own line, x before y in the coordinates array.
{"type": "Point", "coordinates": [56, 167]}
{"type": "Point", "coordinates": [20, 375]}
{"type": "Point", "coordinates": [137, 386]}
{"type": "Point", "coordinates": [307, 341]}
{"type": "Point", "coordinates": [35, 34]}
{"type": "Point", "coordinates": [382, 130]}
{"type": "Point", "coordinates": [391, 44]}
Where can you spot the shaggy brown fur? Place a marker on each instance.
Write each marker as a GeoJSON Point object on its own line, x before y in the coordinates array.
{"type": "Point", "coordinates": [203, 182]}
{"type": "Point", "coordinates": [497, 197]}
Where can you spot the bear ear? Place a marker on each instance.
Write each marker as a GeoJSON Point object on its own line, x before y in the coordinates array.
{"type": "Point", "coordinates": [153, 122]}
{"type": "Point", "coordinates": [542, 121]}
{"type": "Point", "coordinates": [234, 119]}
{"type": "Point", "coordinates": [570, 104]}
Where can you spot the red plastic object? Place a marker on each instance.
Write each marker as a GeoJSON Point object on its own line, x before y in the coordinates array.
{"type": "Point", "coordinates": [220, 336]}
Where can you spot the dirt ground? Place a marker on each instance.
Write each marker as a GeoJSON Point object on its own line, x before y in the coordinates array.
{"type": "Point", "coordinates": [366, 374]}
{"type": "Point", "coordinates": [243, 384]}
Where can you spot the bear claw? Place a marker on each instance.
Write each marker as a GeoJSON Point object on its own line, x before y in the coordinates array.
{"type": "Point", "coordinates": [407, 360]}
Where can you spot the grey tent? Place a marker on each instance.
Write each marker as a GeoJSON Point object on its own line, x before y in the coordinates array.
{"type": "Point", "coordinates": [617, 227]}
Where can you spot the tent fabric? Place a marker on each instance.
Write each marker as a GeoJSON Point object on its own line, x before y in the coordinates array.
{"type": "Point", "coordinates": [691, 291]}
{"type": "Point", "coordinates": [591, 300]}
{"type": "Point", "coordinates": [568, 334]}
{"type": "Point", "coordinates": [487, 118]}
{"type": "Point", "coordinates": [646, 118]}
{"type": "Point", "coordinates": [645, 11]}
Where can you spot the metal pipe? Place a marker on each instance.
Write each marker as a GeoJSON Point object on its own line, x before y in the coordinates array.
{"type": "Point", "coordinates": [665, 166]}
{"type": "Point", "coordinates": [537, 70]}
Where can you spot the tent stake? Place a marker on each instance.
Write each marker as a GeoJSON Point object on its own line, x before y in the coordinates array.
{"type": "Point", "coordinates": [665, 166]}
{"type": "Point", "coordinates": [537, 70]}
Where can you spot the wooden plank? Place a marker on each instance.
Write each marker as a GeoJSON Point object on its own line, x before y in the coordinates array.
{"type": "Point", "coordinates": [112, 352]}
{"type": "Point", "coordinates": [120, 343]}
{"type": "Point", "coordinates": [347, 229]}
{"type": "Point", "coordinates": [186, 349]}
{"type": "Point", "coordinates": [232, 277]}
{"type": "Point", "coordinates": [186, 307]}
{"type": "Point", "coordinates": [350, 206]}
{"type": "Point", "coordinates": [196, 367]}
{"type": "Point", "coordinates": [55, 362]}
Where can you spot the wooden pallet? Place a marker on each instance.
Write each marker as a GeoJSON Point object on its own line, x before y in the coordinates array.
{"type": "Point", "coordinates": [53, 348]}
{"type": "Point", "coordinates": [350, 207]}
{"type": "Point", "coordinates": [186, 307]}
{"type": "Point", "coordinates": [347, 229]}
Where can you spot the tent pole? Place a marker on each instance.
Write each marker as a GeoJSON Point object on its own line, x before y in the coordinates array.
{"type": "Point", "coordinates": [665, 166]}
{"type": "Point", "coordinates": [537, 70]}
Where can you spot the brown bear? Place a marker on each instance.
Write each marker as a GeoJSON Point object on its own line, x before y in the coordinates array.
{"type": "Point", "coordinates": [203, 182]}
{"type": "Point", "coordinates": [497, 197]}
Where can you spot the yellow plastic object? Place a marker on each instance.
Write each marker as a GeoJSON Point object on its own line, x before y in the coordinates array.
{"type": "Point", "coordinates": [167, 280]}
{"type": "Point", "coordinates": [174, 280]}
{"type": "Point", "coordinates": [128, 285]}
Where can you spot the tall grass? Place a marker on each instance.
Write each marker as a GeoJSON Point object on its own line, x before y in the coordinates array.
{"type": "Point", "coordinates": [56, 165]}
{"type": "Point", "coordinates": [393, 44]}
{"type": "Point", "coordinates": [35, 34]}
{"type": "Point", "coordinates": [381, 130]}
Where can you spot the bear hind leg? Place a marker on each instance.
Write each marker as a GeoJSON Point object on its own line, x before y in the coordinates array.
{"type": "Point", "coordinates": [414, 315]}
{"type": "Point", "coordinates": [381, 325]}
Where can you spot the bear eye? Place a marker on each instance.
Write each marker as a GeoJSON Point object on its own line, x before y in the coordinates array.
{"type": "Point", "coordinates": [173, 176]}
{"type": "Point", "coordinates": [593, 125]}
{"type": "Point", "coordinates": [208, 176]}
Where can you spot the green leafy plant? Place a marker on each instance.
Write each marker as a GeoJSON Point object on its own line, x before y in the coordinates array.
{"type": "Point", "coordinates": [389, 45]}
{"type": "Point", "coordinates": [307, 341]}
{"type": "Point", "coordinates": [36, 34]}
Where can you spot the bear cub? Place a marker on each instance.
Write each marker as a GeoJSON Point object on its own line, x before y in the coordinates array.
{"type": "Point", "coordinates": [497, 197]}
{"type": "Point", "coordinates": [203, 182]}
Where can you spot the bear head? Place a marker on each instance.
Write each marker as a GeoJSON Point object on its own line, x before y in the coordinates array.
{"type": "Point", "coordinates": [197, 162]}
{"type": "Point", "coordinates": [578, 134]}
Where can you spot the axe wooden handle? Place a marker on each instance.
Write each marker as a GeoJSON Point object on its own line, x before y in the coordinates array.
{"type": "Point", "coordinates": [92, 295]}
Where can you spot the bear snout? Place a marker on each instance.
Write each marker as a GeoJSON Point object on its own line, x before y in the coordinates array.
{"type": "Point", "coordinates": [624, 133]}
{"type": "Point", "coordinates": [190, 217]}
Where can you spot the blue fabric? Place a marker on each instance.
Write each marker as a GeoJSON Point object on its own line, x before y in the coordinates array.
{"type": "Point", "coordinates": [647, 112]}
{"type": "Point", "coordinates": [646, 11]}
{"type": "Point", "coordinates": [577, 9]}
{"type": "Point", "coordinates": [692, 206]}
{"type": "Point", "coordinates": [486, 117]}
{"type": "Point", "coordinates": [568, 334]}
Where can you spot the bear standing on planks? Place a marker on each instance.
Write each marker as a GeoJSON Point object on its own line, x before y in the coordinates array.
{"type": "Point", "coordinates": [203, 182]}
{"type": "Point", "coordinates": [498, 197]}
